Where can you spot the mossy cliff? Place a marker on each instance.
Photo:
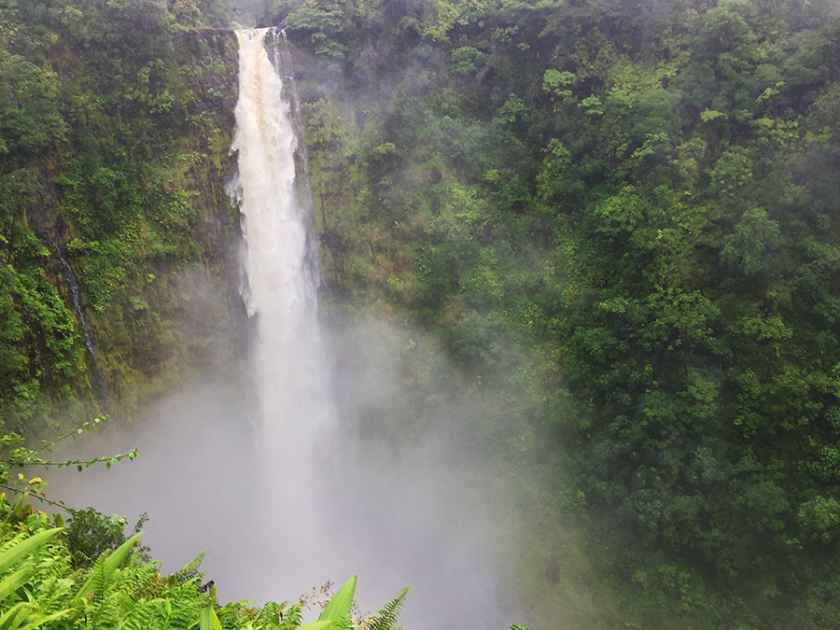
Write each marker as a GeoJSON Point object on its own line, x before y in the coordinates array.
{"type": "Point", "coordinates": [117, 237]}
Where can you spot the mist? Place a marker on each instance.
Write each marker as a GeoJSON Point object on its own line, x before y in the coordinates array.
{"type": "Point", "coordinates": [424, 512]}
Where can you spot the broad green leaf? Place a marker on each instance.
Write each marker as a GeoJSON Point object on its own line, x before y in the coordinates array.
{"type": "Point", "coordinates": [209, 620]}
{"type": "Point", "coordinates": [40, 622]}
{"type": "Point", "coordinates": [319, 625]}
{"type": "Point", "coordinates": [339, 605]}
{"type": "Point", "coordinates": [120, 555]}
{"type": "Point", "coordinates": [10, 557]}
{"type": "Point", "coordinates": [14, 581]}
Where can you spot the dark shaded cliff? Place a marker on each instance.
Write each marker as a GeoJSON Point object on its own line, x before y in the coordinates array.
{"type": "Point", "coordinates": [117, 237]}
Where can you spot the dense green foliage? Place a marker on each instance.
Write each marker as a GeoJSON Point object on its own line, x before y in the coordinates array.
{"type": "Point", "coordinates": [622, 219]}
{"type": "Point", "coordinates": [115, 123]}
{"type": "Point", "coordinates": [619, 217]}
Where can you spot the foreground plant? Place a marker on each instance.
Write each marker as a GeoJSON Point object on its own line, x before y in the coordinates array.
{"type": "Point", "coordinates": [39, 588]}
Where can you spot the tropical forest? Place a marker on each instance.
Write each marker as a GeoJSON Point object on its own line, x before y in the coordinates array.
{"type": "Point", "coordinates": [419, 314]}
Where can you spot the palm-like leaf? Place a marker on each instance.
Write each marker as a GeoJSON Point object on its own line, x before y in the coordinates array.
{"type": "Point", "coordinates": [15, 616]}
{"type": "Point", "coordinates": [18, 552]}
{"type": "Point", "coordinates": [14, 581]}
{"type": "Point", "coordinates": [209, 619]}
{"type": "Point", "coordinates": [40, 621]}
{"type": "Point", "coordinates": [338, 608]}
{"type": "Point", "coordinates": [104, 569]}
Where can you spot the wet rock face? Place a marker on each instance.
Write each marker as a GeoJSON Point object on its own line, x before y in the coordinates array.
{"type": "Point", "coordinates": [116, 225]}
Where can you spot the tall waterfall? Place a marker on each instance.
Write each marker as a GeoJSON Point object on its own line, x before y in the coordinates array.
{"type": "Point", "coordinates": [295, 408]}
{"type": "Point", "coordinates": [322, 511]}
{"type": "Point", "coordinates": [281, 285]}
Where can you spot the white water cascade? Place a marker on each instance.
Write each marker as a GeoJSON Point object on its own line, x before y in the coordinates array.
{"type": "Point", "coordinates": [253, 466]}
{"type": "Point", "coordinates": [281, 289]}
{"type": "Point", "coordinates": [296, 414]}
{"type": "Point", "coordinates": [339, 514]}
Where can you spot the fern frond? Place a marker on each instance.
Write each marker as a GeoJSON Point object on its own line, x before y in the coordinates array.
{"type": "Point", "coordinates": [53, 594]}
{"type": "Point", "coordinates": [291, 618]}
{"type": "Point", "coordinates": [95, 582]}
{"type": "Point", "coordinates": [16, 615]}
{"type": "Point", "coordinates": [43, 620]}
{"type": "Point", "coordinates": [13, 582]}
{"type": "Point", "coordinates": [52, 561]}
{"type": "Point", "coordinates": [388, 616]}
{"type": "Point", "coordinates": [188, 571]}
{"type": "Point", "coordinates": [12, 542]}
{"type": "Point", "coordinates": [143, 615]}
{"type": "Point", "coordinates": [186, 603]}
{"type": "Point", "coordinates": [107, 565]}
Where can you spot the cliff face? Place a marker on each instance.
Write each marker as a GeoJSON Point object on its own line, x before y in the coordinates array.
{"type": "Point", "coordinates": [117, 237]}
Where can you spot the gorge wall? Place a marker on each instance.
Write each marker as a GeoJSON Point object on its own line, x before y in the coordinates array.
{"type": "Point", "coordinates": [118, 240]}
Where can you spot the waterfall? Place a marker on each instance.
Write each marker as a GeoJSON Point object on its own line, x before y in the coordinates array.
{"type": "Point", "coordinates": [289, 370]}
{"type": "Point", "coordinates": [281, 284]}
{"type": "Point", "coordinates": [87, 337]}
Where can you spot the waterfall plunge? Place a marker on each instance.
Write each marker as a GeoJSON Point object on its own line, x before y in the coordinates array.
{"type": "Point", "coordinates": [281, 289]}
{"type": "Point", "coordinates": [279, 495]}
{"type": "Point", "coordinates": [296, 414]}
{"type": "Point", "coordinates": [414, 520]}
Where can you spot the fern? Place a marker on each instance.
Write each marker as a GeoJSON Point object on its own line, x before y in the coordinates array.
{"type": "Point", "coordinates": [53, 594]}
{"type": "Point", "coordinates": [15, 615]}
{"type": "Point", "coordinates": [189, 571]}
{"type": "Point", "coordinates": [291, 618]}
{"type": "Point", "coordinates": [12, 542]}
{"type": "Point", "coordinates": [388, 616]}
{"type": "Point", "coordinates": [143, 615]}
{"type": "Point", "coordinates": [39, 590]}
{"type": "Point", "coordinates": [13, 582]}
{"type": "Point", "coordinates": [185, 604]}
{"type": "Point", "coordinates": [40, 621]}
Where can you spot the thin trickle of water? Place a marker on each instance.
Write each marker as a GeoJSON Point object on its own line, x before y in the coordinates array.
{"type": "Point", "coordinates": [87, 336]}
